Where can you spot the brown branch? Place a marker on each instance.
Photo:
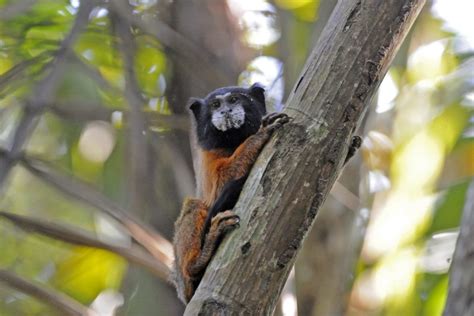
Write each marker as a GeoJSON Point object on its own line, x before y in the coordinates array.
{"type": "Point", "coordinates": [80, 237]}
{"type": "Point", "coordinates": [298, 167]}
{"type": "Point", "coordinates": [157, 245]}
{"type": "Point", "coordinates": [461, 277]}
{"type": "Point", "coordinates": [66, 305]}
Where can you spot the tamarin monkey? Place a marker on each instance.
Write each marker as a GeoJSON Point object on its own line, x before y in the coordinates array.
{"type": "Point", "coordinates": [231, 127]}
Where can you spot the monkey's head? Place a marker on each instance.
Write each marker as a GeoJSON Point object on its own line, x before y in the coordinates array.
{"type": "Point", "coordinates": [228, 116]}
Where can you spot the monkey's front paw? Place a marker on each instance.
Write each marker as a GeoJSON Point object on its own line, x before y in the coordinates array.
{"type": "Point", "coordinates": [274, 120]}
{"type": "Point", "coordinates": [225, 221]}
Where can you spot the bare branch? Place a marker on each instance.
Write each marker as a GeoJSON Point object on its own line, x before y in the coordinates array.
{"type": "Point", "coordinates": [80, 237]}
{"type": "Point", "coordinates": [66, 305]}
{"type": "Point", "coordinates": [146, 236]}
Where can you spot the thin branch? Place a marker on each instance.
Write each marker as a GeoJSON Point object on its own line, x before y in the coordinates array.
{"type": "Point", "coordinates": [66, 305]}
{"type": "Point", "coordinates": [158, 246]}
{"type": "Point", "coordinates": [80, 237]}
{"type": "Point", "coordinates": [345, 196]}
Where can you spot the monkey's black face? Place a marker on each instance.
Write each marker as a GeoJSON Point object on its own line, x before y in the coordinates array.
{"type": "Point", "coordinates": [228, 116]}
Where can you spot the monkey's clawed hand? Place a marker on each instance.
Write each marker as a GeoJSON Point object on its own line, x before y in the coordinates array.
{"type": "Point", "coordinates": [274, 121]}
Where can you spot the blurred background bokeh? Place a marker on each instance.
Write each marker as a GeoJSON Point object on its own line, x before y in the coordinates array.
{"type": "Point", "coordinates": [94, 134]}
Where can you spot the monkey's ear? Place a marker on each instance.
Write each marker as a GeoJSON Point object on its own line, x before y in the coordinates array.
{"type": "Point", "coordinates": [258, 92]}
{"type": "Point", "coordinates": [195, 105]}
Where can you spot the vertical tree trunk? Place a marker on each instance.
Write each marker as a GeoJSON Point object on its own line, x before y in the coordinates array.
{"type": "Point", "coordinates": [461, 279]}
{"type": "Point", "coordinates": [298, 167]}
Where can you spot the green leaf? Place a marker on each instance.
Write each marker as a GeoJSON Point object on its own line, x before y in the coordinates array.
{"type": "Point", "coordinates": [448, 209]}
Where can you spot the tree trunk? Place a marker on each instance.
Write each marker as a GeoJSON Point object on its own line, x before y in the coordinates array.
{"type": "Point", "coordinates": [298, 167]}
{"type": "Point", "coordinates": [461, 279]}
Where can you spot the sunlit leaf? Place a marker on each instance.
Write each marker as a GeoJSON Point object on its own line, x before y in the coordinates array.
{"type": "Point", "coordinates": [436, 299]}
{"type": "Point", "coordinates": [150, 63]}
{"type": "Point", "coordinates": [87, 272]}
{"type": "Point", "coordinates": [306, 10]}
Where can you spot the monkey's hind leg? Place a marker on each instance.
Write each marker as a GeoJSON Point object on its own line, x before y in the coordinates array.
{"type": "Point", "coordinates": [221, 224]}
{"type": "Point", "coordinates": [192, 259]}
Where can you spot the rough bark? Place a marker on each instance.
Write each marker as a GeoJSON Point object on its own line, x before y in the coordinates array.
{"type": "Point", "coordinates": [461, 279]}
{"type": "Point", "coordinates": [298, 167]}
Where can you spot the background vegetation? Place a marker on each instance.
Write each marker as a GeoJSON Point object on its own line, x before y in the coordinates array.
{"type": "Point", "coordinates": [94, 143]}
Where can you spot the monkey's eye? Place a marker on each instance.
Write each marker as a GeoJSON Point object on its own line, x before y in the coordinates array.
{"type": "Point", "coordinates": [232, 99]}
{"type": "Point", "coordinates": [215, 104]}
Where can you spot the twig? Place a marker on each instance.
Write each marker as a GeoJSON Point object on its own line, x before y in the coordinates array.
{"type": "Point", "coordinates": [80, 237]}
{"type": "Point", "coordinates": [66, 305]}
{"type": "Point", "coordinates": [146, 236]}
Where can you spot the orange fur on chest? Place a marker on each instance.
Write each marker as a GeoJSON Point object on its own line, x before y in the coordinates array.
{"type": "Point", "coordinates": [220, 166]}
{"type": "Point", "coordinates": [214, 177]}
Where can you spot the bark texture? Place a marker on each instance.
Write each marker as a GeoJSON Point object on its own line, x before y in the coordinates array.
{"type": "Point", "coordinates": [461, 279]}
{"type": "Point", "coordinates": [298, 167]}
